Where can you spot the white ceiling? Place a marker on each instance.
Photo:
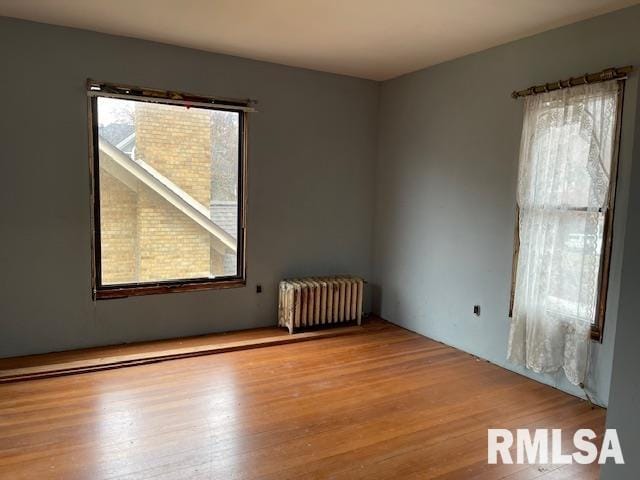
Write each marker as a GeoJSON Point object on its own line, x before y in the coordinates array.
{"type": "Point", "coordinates": [376, 39]}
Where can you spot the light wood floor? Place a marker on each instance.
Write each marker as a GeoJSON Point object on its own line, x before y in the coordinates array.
{"type": "Point", "coordinates": [386, 403]}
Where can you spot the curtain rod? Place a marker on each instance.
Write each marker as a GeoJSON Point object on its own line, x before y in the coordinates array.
{"type": "Point", "coordinates": [613, 73]}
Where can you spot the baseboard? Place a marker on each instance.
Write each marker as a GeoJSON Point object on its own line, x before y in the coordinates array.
{"type": "Point", "coordinates": [93, 360]}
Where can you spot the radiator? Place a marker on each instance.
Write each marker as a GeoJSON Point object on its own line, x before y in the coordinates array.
{"type": "Point", "coordinates": [313, 301]}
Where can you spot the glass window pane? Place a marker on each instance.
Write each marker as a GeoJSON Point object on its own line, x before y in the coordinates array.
{"type": "Point", "coordinates": [169, 178]}
{"type": "Point", "coordinates": [567, 251]}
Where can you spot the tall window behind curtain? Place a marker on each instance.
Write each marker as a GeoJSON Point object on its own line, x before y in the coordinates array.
{"type": "Point", "coordinates": [566, 160]}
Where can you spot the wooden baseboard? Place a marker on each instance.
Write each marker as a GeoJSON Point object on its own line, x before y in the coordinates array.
{"type": "Point", "coordinates": [92, 360]}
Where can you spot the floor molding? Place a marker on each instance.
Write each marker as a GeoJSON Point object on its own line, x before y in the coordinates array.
{"type": "Point", "coordinates": [91, 360]}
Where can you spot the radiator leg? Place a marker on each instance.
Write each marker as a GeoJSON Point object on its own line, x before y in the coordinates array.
{"type": "Point", "coordinates": [290, 329]}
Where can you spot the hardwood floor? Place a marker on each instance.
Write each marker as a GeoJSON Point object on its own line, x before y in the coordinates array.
{"type": "Point", "coordinates": [386, 403]}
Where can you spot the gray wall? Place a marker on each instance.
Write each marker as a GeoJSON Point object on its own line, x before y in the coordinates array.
{"type": "Point", "coordinates": [312, 151]}
{"type": "Point", "coordinates": [445, 187]}
{"type": "Point", "coordinates": [624, 403]}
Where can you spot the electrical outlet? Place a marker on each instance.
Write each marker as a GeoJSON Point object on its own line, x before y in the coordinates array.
{"type": "Point", "coordinates": [476, 310]}
{"type": "Point", "coordinates": [258, 288]}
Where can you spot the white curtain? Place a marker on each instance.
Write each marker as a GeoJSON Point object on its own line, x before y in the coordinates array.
{"type": "Point", "coordinates": [563, 190]}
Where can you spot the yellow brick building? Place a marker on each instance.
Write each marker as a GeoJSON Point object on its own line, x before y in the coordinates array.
{"type": "Point", "coordinates": [144, 237]}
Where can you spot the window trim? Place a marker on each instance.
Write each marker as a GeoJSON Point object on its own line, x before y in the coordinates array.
{"type": "Point", "coordinates": [597, 327]}
{"type": "Point", "coordinates": [100, 89]}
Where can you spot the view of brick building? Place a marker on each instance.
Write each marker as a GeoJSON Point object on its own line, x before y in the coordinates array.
{"type": "Point", "coordinates": [156, 190]}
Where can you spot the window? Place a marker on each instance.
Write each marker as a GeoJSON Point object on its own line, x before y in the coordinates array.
{"type": "Point", "coordinates": [168, 183]}
{"type": "Point", "coordinates": [566, 194]}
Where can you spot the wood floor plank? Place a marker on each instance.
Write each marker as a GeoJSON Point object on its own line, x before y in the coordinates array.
{"type": "Point", "coordinates": [386, 403]}
{"type": "Point", "coordinates": [106, 358]}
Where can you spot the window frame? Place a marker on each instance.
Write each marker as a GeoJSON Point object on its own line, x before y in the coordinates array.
{"type": "Point", "coordinates": [597, 327]}
{"type": "Point", "coordinates": [127, 92]}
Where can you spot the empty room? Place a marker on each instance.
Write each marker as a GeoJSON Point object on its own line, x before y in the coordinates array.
{"type": "Point", "coordinates": [320, 239]}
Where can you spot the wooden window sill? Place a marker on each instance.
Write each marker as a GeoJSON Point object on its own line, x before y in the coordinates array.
{"type": "Point", "coordinates": [123, 291]}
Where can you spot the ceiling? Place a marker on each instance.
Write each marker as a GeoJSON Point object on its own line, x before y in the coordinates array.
{"type": "Point", "coordinates": [375, 39]}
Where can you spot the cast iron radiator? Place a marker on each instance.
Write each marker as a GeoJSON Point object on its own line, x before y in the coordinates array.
{"type": "Point", "coordinates": [313, 301]}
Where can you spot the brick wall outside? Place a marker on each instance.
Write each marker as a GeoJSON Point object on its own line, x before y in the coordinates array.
{"type": "Point", "coordinates": [171, 246]}
{"type": "Point", "coordinates": [144, 238]}
{"type": "Point", "coordinates": [176, 141]}
{"type": "Point", "coordinates": [119, 230]}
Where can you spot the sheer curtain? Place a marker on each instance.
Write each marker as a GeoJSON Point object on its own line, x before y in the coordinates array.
{"type": "Point", "coordinates": [563, 190]}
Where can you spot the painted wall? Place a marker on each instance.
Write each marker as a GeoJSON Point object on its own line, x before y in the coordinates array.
{"type": "Point", "coordinates": [624, 402]}
{"type": "Point", "coordinates": [310, 211]}
{"type": "Point", "coordinates": [446, 180]}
